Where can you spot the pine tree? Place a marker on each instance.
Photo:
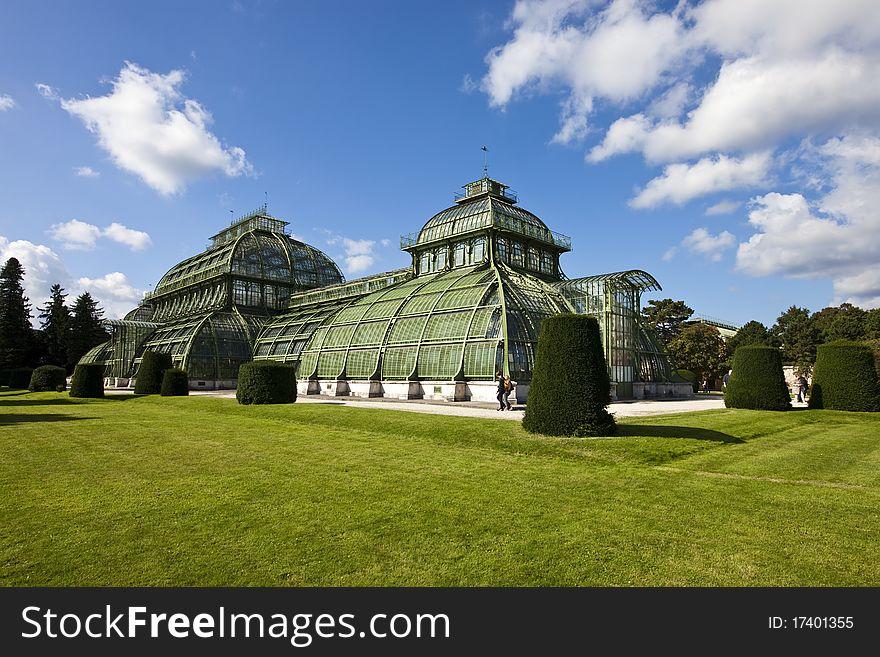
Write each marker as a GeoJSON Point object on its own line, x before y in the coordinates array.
{"type": "Point", "coordinates": [16, 334]}
{"type": "Point", "coordinates": [666, 317]}
{"type": "Point", "coordinates": [86, 330]}
{"type": "Point", "coordinates": [55, 316]}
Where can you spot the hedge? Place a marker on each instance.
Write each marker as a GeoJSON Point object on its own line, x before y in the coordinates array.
{"type": "Point", "coordinates": [48, 378]}
{"type": "Point", "coordinates": [175, 383]}
{"type": "Point", "coordinates": [20, 377]}
{"type": "Point", "coordinates": [4, 377]}
{"type": "Point", "coordinates": [266, 382]}
{"type": "Point", "coordinates": [149, 374]}
{"type": "Point", "coordinates": [570, 387]}
{"type": "Point", "coordinates": [87, 381]}
{"type": "Point", "coordinates": [845, 378]}
{"type": "Point", "coordinates": [757, 381]}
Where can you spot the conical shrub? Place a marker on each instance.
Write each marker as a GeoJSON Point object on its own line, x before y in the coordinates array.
{"type": "Point", "coordinates": [845, 378]}
{"type": "Point", "coordinates": [149, 374]}
{"type": "Point", "coordinates": [175, 383]}
{"type": "Point", "coordinates": [88, 381]}
{"type": "Point", "coordinates": [757, 381]}
{"type": "Point", "coordinates": [570, 388]}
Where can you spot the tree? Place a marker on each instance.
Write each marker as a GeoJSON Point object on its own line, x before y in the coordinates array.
{"type": "Point", "coordinates": [798, 336]}
{"type": "Point", "coordinates": [844, 322]}
{"type": "Point", "coordinates": [872, 324]}
{"type": "Point", "coordinates": [16, 334]}
{"type": "Point", "coordinates": [701, 349]}
{"type": "Point", "coordinates": [86, 330]}
{"type": "Point", "coordinates": [55, 316]}
{"type": "Point", "coordinates": [750, 333]}
{"type": "Point", "coordinates": [666, 317]}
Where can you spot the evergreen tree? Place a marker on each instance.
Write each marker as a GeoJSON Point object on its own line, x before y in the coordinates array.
{"type": "Point", "coordinates": [667, 317]}
{"type": "Point", "coordinates": [86, 330]}
{"type": "Point", "coordinates": [16, 334]}
{"type": "Point", "coordinates": [55, 316]}
{"type": "Point", "coordinates": [844, 322]}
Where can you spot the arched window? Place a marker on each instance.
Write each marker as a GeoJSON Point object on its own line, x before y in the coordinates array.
{"type": "Point", "coordinates": [459, 254]}
{"type": "Point", "coordinates": [478, 250]}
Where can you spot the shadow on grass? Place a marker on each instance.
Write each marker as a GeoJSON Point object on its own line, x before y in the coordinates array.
{"type": "Point", "coordinates": [9, 419]}
{"type": "Point", "coordinates": [693, 433]}
{"type": "Point", "coordinates": [35, 402]}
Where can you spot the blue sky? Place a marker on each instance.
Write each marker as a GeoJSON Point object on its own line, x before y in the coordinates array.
{"type": "Point", "coordinates": [729, 148]}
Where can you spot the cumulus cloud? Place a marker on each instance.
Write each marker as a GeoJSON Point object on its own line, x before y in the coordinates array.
{"type": "Point", "coordinates": [86, 172]}
{"type": "Point", "coordinates": [723, 95]}
{"type": "Point", "coordinates": [360, 255]}
{"type": "Point", "coordinates": [6, 102]}
{"type": "Point", "coordinates": [682, 182]}
{"type": "Point", "coordinates": [705, 243]}
{"type": "Point", "coordinates": [76, 235]}
{"type": "Point", "coordinates": [43, 268]}
{"type": "Point", "coordinates": [152, 130]}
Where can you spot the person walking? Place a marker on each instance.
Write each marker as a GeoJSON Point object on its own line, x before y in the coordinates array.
{"type": "Point", "coordinates": [802, 388]}
{"type": "Point", "coordinates": [508, 388]}
{"type": "Point", "coordinates": [502, 393]}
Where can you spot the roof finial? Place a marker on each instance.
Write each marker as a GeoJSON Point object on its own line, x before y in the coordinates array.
{"type": "Point", "coordinates": [485, 150]}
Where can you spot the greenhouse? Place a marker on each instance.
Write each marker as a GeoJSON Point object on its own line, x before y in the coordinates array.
{"type": "Point", "coordinates": [484, 274]}
{"type": "Point", "coordinates": [207, 310]}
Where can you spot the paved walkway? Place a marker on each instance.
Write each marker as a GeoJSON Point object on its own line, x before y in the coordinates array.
{"type": "Point", "coordinates": [485, 410]}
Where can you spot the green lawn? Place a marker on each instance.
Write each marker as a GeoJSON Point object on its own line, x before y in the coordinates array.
{"type": "Point", "coordinates": [202, 491]}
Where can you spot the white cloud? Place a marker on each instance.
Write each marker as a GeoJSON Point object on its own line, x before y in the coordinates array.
{"type": "Point", "coordinates": [86, 172]}
{"type": "Point", "coordinates": [138, 240]}
{"type": "Point", "coordinates": [43, 268]}
{"type": "Point", "coordinates": [836, 236]}
{"type": "Point", "coordinates": [467, 84]}
{"type": "Point", "coordinates": [625, 135]}
{"type": "Point", "coordinates": [360, 255]}
{"type": "Point", "coordinates": [76, 235]}
{"type": "Point", "coordinates": [703, 242]}
{"type": "Point", "coordinates": [722, 207]}
{"type": "Point", "coordinates": [150, 129]}
{"type": "Point", "coordinates": [116, 294]}
{"type": "Point", "coordinates": [47, 92]}
{"type": "Point", "coordinates": [6, 103]}
{"type": "Point", "coordinates": [682, 182]}
{"type": "Point", "coordinates": [575, 110]}
{"type": "Point", "coordinates": [670, 253]}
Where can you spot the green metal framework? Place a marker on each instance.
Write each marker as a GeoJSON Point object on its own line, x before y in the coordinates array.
{"type": "Point", "coordinates": [484, 275]}
{"type": "Point", "coordinates": [632, 351]}
{"type": "Point", "coordinates": [207, 310]}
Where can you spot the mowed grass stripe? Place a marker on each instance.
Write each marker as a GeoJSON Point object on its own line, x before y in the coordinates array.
{"type": "Point", "coordinates": [201, 491]}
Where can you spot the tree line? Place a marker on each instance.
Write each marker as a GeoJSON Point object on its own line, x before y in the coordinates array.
{"type": "Point", "coordinates": [797, 333]}
{"type": "Point", "coordinates": [66, 333]}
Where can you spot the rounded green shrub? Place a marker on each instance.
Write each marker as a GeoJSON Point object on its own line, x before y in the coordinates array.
{"type": "Point", "coordinates": [266, 382]}
{"type": "Point", "coordinates": [757, 381]}
{"type": "Point", "coordinates": [150, 372]}
{"type": "Point", "coordinates": [88, 381]}
{"type": "Point", "coordinates": [20, 377]}
{"type": "Point", "coordinates": [845, 378]}
{"type": "Point", "coordinates": [175, 383]}
{"type": "Point", "coordinates": [570, 387]}
{"type": "Point", "coordinates": [47, 378]}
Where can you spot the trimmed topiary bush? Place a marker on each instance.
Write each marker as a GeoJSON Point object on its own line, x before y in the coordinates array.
{"type": "Point", "coordinates": [47, 378]}
{"type": "Point", "coordinates": [570, 388]}
{"type": "Point", "coordinates": [266, 382]}
{"type": "Point", "coordinates": [88, 381]}
{"type": "Point", "coordinates": [149, 374]}
{"type": "Point", "coordinates": [757, 381]}
{"type": "Point", "coordinates": [20, 377]}
{"type": "Point", "coordinates": [844, 378]}
{"type": "Point", "coordinates": [175, 383]}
